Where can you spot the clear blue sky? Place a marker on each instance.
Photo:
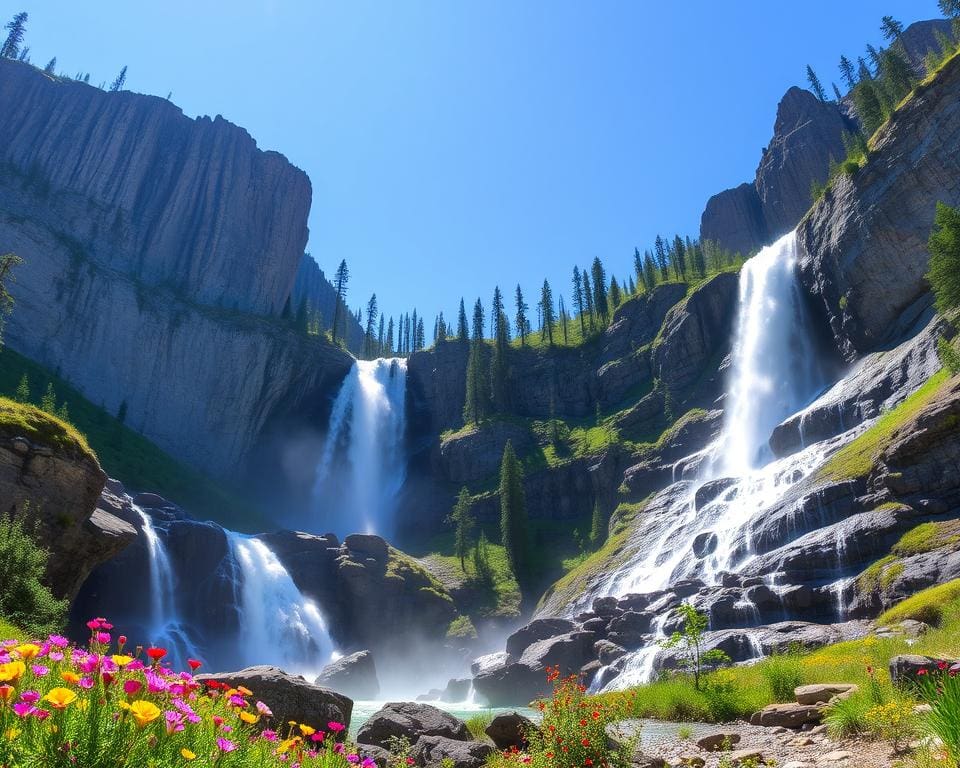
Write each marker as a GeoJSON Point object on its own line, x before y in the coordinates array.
{"type": "Point", "coordinates": [456, 145]}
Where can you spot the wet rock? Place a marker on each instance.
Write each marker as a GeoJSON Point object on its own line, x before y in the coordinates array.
{"type": "Point", "coordinates": [608, 652]}
{"type": "Point", "coordinates": [411, 721]}
{"type": "Point", "coordinates": [509, 729]}
{"type": "Point", "coordinates": [354, 675]}
{"type": "Point", "coordinates": [705, 544]}
{"type": "Point", "coordinates": [440, 750]}
{"type": "Point", "coordinates": [289, 697]}
{"type": "Point", "coordinates": [458, 689]}
{"type": "Point", "coordinates": [711, 490]}
{"type": "Point", "coordinates": [536, 630]}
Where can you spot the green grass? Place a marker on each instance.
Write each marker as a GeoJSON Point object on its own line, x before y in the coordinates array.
{"type": "Point", "coordinates": [10, 632]}
{"type": "Point", "coordinates": [126, 454]}
{"type": "Point", "coordinates": [928, 537]}
{"type": "Point", "coordinates": [857, 458]}
{"type": "Point", "coordinates": [24, 420]}
{"type": "Point", "coordinates": [939, 606]}
{"type": "Point", "coordinates": [477, 725]}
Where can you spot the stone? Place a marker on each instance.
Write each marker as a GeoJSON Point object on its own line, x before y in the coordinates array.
{"type": "Point", "coordinates": [354, 675]}
{"type": "Point", "coordinates": [797, 764]}
{"type": "Point", "coordinates": [411, 721]}
{"type": "Point", "coordinates": [288, 696]}
{"type": "Point", "coordinates": [905, 668]}
{"type": "Point", "coordinates": [509, 729]}
{"type": "Point", "coordinates": [457, 689]}
{"type": "Point", "coordinates": [745, 755]}
{"type": "Point", "coordinates": [608, 652]}
{"type": "Point", "coordinates": [536, 630]}
{"type": "Point", "coordinates": [820, 693]}
{"type": "Point", "coordinates": [704, 544]}
{"type": "Point", "coordinates": [382, 757]}
{"type": "Point", "coordinates": [717, 741]}
{"type": "Point", "coordinates": [836, 756]}
{"type": "Point", "coordinates": [693, 761]}
{"type": "Point", "coordinates": [787, 715]}
{"type": "Point", "coordinates": [433, 750]}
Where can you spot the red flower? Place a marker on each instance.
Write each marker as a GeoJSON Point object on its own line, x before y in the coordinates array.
{"type": "Point", "coordinates": [921, 672]}
{"type": "Point", "coordinates": [585, 742]}
{"type": "Point", "coordinates": [156, 653]}
{"type": "Point", "coordinates": [194, 664]}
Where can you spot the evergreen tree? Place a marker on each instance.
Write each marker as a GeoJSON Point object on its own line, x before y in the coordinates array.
{"type": "Point", "coordinates": [414, 330]}
{"type": "Point", "coordinates": [16, 28]}
{"type": "Point", "coordinates": [23, 390]}
{"type": "Point", "coordinates": [875, 57]}
{"type": "Point", "coordinates": [24, 54]}
{"type": "Point", "coordinates": [301, 320]}
{"type": "Point", "coordinates": [598, 526]}
{"type": "Point", "coordinates": [615, 296]}
{"type": "Point", "coordinates": [48, 403]}
{"type": "Point", "coordinates": [463, 333]}
{"type": "Point", "coordinates": [836, 93]}
{"type": "Point", "coordinates": [631, 286]}
{"type": "Point", "coordinates": [588, 296]}
{"type": "Point", "coordinates": [680, 256]}
{"type": "Point", "coordinates": [51, 67]}
{"type": "Point", "coordinates": [867, 104]}
{"type": "Point", "coordinates": [371, 324]}
{"type": "Point", "coordinates": [340, 280]}
{"type": "Point", "coordinates": [380, 337]}
{"type": "Point", "coordinates": [521, 316]}
{"type": "Point", "coordinates": [496, 313]}
{"type": "Point", "coordinates": [951, 10]}
{"type": "Point", "coordinates": [663, 263]}
{"type": "Point", "coordinates": [476, 403]}
{"type": "Point", "coordinates": [848, 73]}
{"type": "Point", "coordinates": [7, 262]}
{"type": "Point", "coordinates": [421, 338]}
{"type": "Point", "coordinates": [815, 86]}
{"type": "Point", "coordinates": [118, 84]}
{"type": "Point", "coordinates": [944, 244]}
{"type": "Point", "coordinates": [897, 73]}
{"type": "Point", "coordinates": [638, 267]}
{"type": "Point", "coordinates": [498, 366]}
{"type": "Point", "coordinates": [578, 300]}
{"type": "Point", "coordinates": [513, 512]}
{"type": "Point", "coordinates": [864, 75]}
{"type": "Point", "coordinates": [24, 599]}
{"type": "Point", "coordinates": [546, 309]}
{"type": "Point", "coordinates": [389, 347]}
{"type": "Point", "coordinates": [563, 320]}
{"type": "Point", "coordinates": [463, 525]}
{"type": "Point", "coordinates": [891, 28]}
{"type": "Point", "coordinates": [699, 261]}
{"type": "Point", "coordinates": [649, 271]}
{"type": "Point", "coordinates": [599, 276]}
{"type": "Point", "coordinates": [478, 321]}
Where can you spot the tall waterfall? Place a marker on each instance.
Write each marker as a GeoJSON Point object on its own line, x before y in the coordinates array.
{"type": "Point", "coordinates": [165, 627]}
{"type": "Point", "coordinates": [278, 625]}
{"type": "Point", "coordinates": [775, 372]}
{"type": "Point", "coordinates": [363, 464]}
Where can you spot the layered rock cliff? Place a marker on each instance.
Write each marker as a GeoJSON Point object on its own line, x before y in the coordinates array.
{"type": "Point", "coordinates": [157, 252]}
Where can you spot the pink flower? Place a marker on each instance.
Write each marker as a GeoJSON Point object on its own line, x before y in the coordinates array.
{"type": "Point", "coordinates": [86, 682]}
{"type": "Point", "coordinates": [23, 709]}
{"type": "Point", "coordinates": [264, 710]}
{"type": "Point", "coordinates": [225, 745]}
{"type": "Point", "coordinates": [353, 759]}
{"type": "Point", "coordinates": [39, 670]}
{"type": "Point", "coordinates": [173, 721]}
{"type": "Point", "coordinates": [31, 697]}
{"type": "Point", "coordinates": [269, 735]}
{"type": "Point", "coordinates": [335, 727]}
{"type": "Point", "coordinates": [103, 638]}
{"type": "Point", "coordinates": [59, 641]}
{"type": "Point", "coordinates": [56, 656]}
{"type": "Point", "coordinates": [130, 687]}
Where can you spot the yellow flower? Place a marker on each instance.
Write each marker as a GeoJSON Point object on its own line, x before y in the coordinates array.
{"type": "Point", "coordinates": [248, 717]}
{"type": "Point", "coordinates": [286, 745]}
{"type": "Point", "coordinates": [12, 733]}
{"type": "Point", "coordinates": [144, 712]}
{"type": "Point", "coordinates": [27, 651]}
{"type": "Point", "coordinates": [70, 677]}
{"type": "Point", "coordinates": [187, 754]}
{"type": "Point", "coordinates": [306, 730]}
{"type": "Point", "coordinates": [12, 671]}
{"type": "Point", "coordinates": [245, 691]}
{"type": "Point", "coordinates": [60, 698]}
{"type": "Point", "coordinates": [121, 660]}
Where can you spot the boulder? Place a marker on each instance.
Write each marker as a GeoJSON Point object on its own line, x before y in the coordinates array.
{"type": "Point", "coordinates": [354, 675]}
{"type": "Point", "coordinates": [289, 697]}
{"type": "Point", "coordinates": [906, 668]}
{"type": "Point", "coordinates": [457, 689]}
{"type": "Point", "coordinates": [437, 751]}
{"type": "Point", "coordinates": [750, 756]}
{"type": "Point", "coordinates": [411, 721]}
{"type": "Point", "coordinates": [821, 693]}
{"type": "Point", "coordinates": [509, 729]}
{"type": "Point", "coordinates": [787, 715]}
{"type": "Point", "coordinates": [536, 630]}
{"type": "Point", "coordinates": [717, 741]}
{"type": "Point", "coordinates": [608, 652]}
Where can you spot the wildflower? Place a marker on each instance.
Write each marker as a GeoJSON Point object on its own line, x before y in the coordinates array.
{"type": "Point", "coordinates": [12, 671]}
{"type": "Point", "coordinates": [122, 641]}
{"type": "Point", "coordinates": [6, 692]}
{"type": "Point", "coordinates": [60, 698]}
{"type": "Point", "coordinates": [244, 691]}
{"type": "Point", "coordinates": [121, 660]}
{"type": "Point", "coordinates": [39, 670]}
{"type": "Point", "coordinates": [335, 727]}
{"type": "Point", "coordinates": [921, 672]}
{"type": "Point", "coordinates": [248, 717]}
{"type": "Point", "coordinates": [269, 735]}
{"type": "Point", "coordinates": [194, 664]}
{"type": "Point", "coordinates": [186, 754]}
{"type": "Point", "coordinates": [70, 677]}
{"type": "Point", "coordinates": [31, 697]}
{"type": "Point", "coordinates": [225, 745]}
{"type": "Point", "coordinates": [264, 710]}
{"type": "Point", "coordinates": [144, 712]}
{"type": "Point", "coordinates": [23, 709]}
{"type": "Point", "coordinates": [353, 759]}
{"type": "Point", "coordinates": [103, 638]}
{"type": "Point", "coordinates": [173, 722]}
{"type": "Point", "coordinates": [131, 687]}
{"type": "Point", "coordinates": [368, 762]}
{"type": "Point", "coordinates": [156, 653]}
{"type": "Point", "coordinates": [27, 651]}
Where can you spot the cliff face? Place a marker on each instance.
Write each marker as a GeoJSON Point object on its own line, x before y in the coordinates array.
{"type": "Point", "coordinates": [864, 245]}
{"type": "Point", "coordinates": [806, 135]}
{"type": "Point", "coordinates": [154, 246]}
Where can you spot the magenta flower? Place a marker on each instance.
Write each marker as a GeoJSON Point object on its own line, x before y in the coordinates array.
{"type": "Point", "coordinates": [31, 697]}
{"type": "Point", "coordinates": [103, 638]}
{"type": "Point", "coordinates": [59, 641]}
{"type": "Point", "coordinates": [225, 745]}
{"type": "Point", "coordinates": [269, 735]}
{"type": "Point", "coordinates": [130, 687]}
{"type": "Point", "coordinates": [56, 656]}
{"type": "Point", "coordinates": [353, 759]}
{"type": "Point", "coordinates": [39, 670]}
{"type": "Point", "coordinates": [335, 727]}
{"type": "Point", "coordinates": [23, 709]}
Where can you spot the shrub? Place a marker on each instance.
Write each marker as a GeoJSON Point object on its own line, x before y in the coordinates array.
{"type": "Point", "coordinates": [894, 721]}
{"type": "Point", "coordinates": [477, 724]}
{"type": "Point", "coordinates": [944, 244]}
{"type": "Point", "coordinates": [848, 717]}
{"type": "Point", "coordinates": [722, 695]}
{"type": "Point", "coordinates": [948, 356]}
{"type": "Point", "coordinates": [783, 673]}
{"type": "Point", "coordinates": [942, 693]}
{"type": "Point", "coordinates": [24, 600]}
{"type": "Point", "coordinates": [63, 706]}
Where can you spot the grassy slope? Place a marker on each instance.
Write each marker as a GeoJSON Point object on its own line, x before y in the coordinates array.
{"type": "Point", "coordinates": [22, 420]}
{"type": "Point", "coordinates": [128, 455]}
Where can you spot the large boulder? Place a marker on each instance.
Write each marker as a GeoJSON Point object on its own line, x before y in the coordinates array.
{"type": "Point", "coordinates": [787, 715]}
{"type": "Point", "coordinates": [438, 751]}
{"type": "Point", "coordinates": [354, 675]}
{"type": "Point", "coordinates": [536, 630]}
{"type": "Point", "coordinates": [289, 697]}
{"type": "Point", "coordinates": [399, 720]}
{"type": "Point", "coordinates": [509, 729]}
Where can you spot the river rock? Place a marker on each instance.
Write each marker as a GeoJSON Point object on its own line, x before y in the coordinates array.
{"type": "Point", "coordinates": [509, 729]}
{"type": "Point", "coordinates": [440, 750]}
{"type": "Point", "coordinates": [821, 693]}
{"type": "Point", "coordinates": [717, 741]}
{"type": "Point", "coordinates": [289, 697]}
{"type": "Point", "coordinates": [411, 721]}
{"type": "Point", "coordinates": [354, 675]}
{"type": "Point", "coordinates": [787, 715]}
{"type": "Point", "coordinates": [539, 629]}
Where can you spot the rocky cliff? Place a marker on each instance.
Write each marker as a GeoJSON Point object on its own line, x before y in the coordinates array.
{"type": "Point", "coordinates": [313, 287]}
{"type": "Point", "coordinates": [156, 249]}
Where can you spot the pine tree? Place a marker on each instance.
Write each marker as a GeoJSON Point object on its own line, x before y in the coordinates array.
{"type": "Point", "coordinates": [463, 525]}
{"type": "Point", "coordinates": [638, 267]}
{"type": "Point", "coordinates": [478, 321]}
{"type": "Point", "coordinates": [891, 28]}
{"type": "Point", "coordinates": [477, 399]}
{"type": "Point", "coordinates": [615, 296]}
{"type": "Point", "coordinates": [24, 598]}
{"type": "Point", "coordinates": [815, 85]}
{"type": "Point", "coordinates": [51, 67]}
{"type": "Point", "coordinates": [897, 73]}
{"type": "Point", "coordinates": [421, 338]}
{"type": "Point", "coordinates": [875, 57]}
{"type": "Point", "coordinates": [699, 261]}
{"type": "Point", "coordinates": [951, 10]}
{"type": "Point", "coordinates": [680, 256]}
{"type": "Point", "coordinates": [380, 338]}
{"type": "Point", "coordinates": [371, 324]}
{"type": "Point", "coordinates": [848, 73]}
{"type": "Point", "coordinates": [867, 104]}
{"type": "Point", "coordinates": [578, 300]}
{"type": "Point", "coordinates": [463, 332]}
{"type": "Point", "coordinates": [389, 347]}
{"type": "Point", "coordinates": [588, 297]}
{"type": "Point", "coordinates": [23, 390]}
{"type": "Point", "coordinates": [547, 313]}
{"type": "Point", "coordinates": [16, 28]}
{"type": "Point", "coordinates": [118, 84]}
{"type": "Point", "coordinates": [498, 365]}
{"type": "Point", "coordinates": [563, 320]}
{"type": "Point", "coordinates": [48, 403]}
{"type": "Point", "coordinates": [513, 512]}
{"type": "Point", "coordinates": [864, 75]}
{"type": "Point", "coordinates": [521, 316]}
{"type": "Point", "coordinates": [631, 286]}
{"type": "Point", "coordinates": [660, 250]}
{"type": "Point", "coordinates": [496, 313]}
{"type": "Point", "coordinates": [599, 276]}
{"type": "Point", "coordinates": [836, 92]}
{"type": "Point", "coordinates": [649, 271]}
{"type": "Point", "coordinates": [944, 245]}
{"type": "Point", "coordinates": [340, 280]}
{"type": "Point", "coordinates": [598, 526]}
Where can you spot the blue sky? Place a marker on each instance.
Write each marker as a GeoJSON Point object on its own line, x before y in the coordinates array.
{"type": "Point", "coordinates": [458, 145]}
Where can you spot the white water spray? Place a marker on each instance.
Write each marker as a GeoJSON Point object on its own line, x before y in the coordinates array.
{"type": "Point", "coordinates": [278, 625]}
{"type": "Point", "coordinates": [363, 464]}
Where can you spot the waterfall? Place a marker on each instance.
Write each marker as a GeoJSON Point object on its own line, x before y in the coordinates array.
{"type": "Point", "coordinates": [363, 464]}
{"type": "Point", "coordinates": [278, 625]}
{"type": "Point", "coordinates": [775, 372]}
{"type": "Point", "coordinates": [164, 628]}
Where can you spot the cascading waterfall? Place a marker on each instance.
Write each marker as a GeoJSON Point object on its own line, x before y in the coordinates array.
{"type": "Point", "coordinates": [775, 372]}
{"type": "Point", "coordinates": [278, 625]}
{"type": "Point", "coordinates": [165, 627]}
{"type": "Point", "coordinates": [363, 464]}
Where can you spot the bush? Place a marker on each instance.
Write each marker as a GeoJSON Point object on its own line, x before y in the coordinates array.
{"type": "Point", "coordinates": [944, 244]}
{"type": "Point", "coordinates": [893, 721]}
{"type": "Point", "coordinates": [941, 691]}
{"type": "Point", "coordinates": [948, 356]}
{"type": "Point", "coordinates": [783, 673]}
{"type": "Point", "coordinates": [24, 600]}
{"type": "Point", "coordinates": [848, 717]}
{"type": "Point", "coordinates": [722, 695]}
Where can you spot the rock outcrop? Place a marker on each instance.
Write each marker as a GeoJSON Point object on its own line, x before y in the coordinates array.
{"type": "Point", "coordinates": [354, 675]}
{"type": "Point", "coordinates": [141, 229]}
{"type": "Point", "coordinates": [807, 134]}
{"type": "Point", "coordinates": [863, 247]}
